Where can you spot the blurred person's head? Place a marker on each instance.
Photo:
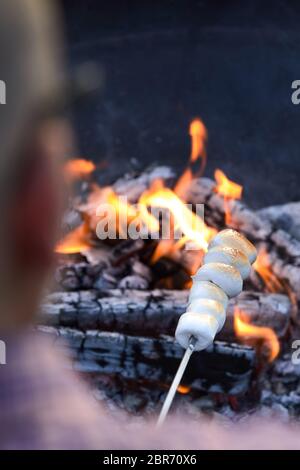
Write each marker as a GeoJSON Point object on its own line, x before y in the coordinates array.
{"type": "Point", "coordinates": [33, 140]}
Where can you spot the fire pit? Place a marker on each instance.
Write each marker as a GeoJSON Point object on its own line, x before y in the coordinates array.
{"type": "Point", "coordinates": [116, 301]}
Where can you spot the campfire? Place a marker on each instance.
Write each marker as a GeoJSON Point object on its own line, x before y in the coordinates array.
{"type": "Point", "coordinates": [121, 284]}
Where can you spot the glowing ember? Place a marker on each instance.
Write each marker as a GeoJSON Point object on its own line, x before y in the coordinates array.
{"type": "Point", "coordinates": [75, 242]}
{"type": "Point", "coordinates": [78, 168]}
{"type": "Point", "coordinates": [183, 389]}
{"type": "Point", "coordinates": [229, 190]}
{"type": "Point", "coordinates": [254, 335]}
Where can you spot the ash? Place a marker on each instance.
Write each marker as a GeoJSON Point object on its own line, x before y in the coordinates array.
{"type": "Point", "coordinates": [278, 396]}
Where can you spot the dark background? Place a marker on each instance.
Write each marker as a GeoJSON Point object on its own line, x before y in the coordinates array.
{"type": "Point", "coordinates": [230, 62]}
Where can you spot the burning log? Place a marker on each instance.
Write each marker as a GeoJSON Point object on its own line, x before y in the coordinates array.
{"type": "Point", "coordinates": [133, 186]}
{"type": "Point", "coordinates": [283, 248]}
{"type": "Point", "coordinates": [151, 312]}
{"type": "Point", "coordinates": [284, 256]}
{"type": "Point", "coordinates": [222, 368]}
{"type": "Point", "coordinates": [203, 190]}
{"type": "Point", "coordinates": [277, 226]}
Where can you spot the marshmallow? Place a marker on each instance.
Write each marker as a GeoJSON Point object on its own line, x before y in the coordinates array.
{"type": "Point", "coordinates": [234, 239]}
{"type": "Point", "coordinates": [231, 256]}
{"type": "Point", "coordinates": [202, 327]}
{"type": "Point", "coordinates": [211, 307]}
{"type": "Point", "coordinates": [225, 276]}
{"type": "Point", "coordinates": [226, 264]}
{"type": "Point", "coordinates": [207, 290]}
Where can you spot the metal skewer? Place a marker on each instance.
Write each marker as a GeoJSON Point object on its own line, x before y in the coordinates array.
{"type": "Point", "coordinates": [176, 381]}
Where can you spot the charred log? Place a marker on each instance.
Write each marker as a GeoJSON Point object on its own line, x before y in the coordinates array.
{"type": "Point", "coordinates": [222, 368]}
{"type": "Point", "coordinates": [150, 313]}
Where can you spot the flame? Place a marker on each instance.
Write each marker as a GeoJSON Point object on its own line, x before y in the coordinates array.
{"type": "Point", "coordinates": [198, 135]}
{"type": "Point", "coordinates": [183, 183]}
{"type": "Point", "coordinates": [195, 263]}
{"type": "Point", "coordinates": [78, 168]}
{"type": "Point", "coordinates": [164, 248]}
{"type": "Point", "coordinates": [252, 333]}
{"type": "Point", "coordinates": [127, 212]}
{"type": "Point", "coordinates": [185, 226]}
{"type": "Point", "coordinates": [229, 190]}
{"type": "Point", "coordinates": [273, 284]}
{"type": "Point", "coordinates": [190, 225]}
{"type": "Point", "coordinates": [226, 187]}
{"type": "Point", "coordinates": [75, 241]}
{"type": "Point", "coordinates": [263, 267]}
{"type": "Point", "coordinates": [183, 389]}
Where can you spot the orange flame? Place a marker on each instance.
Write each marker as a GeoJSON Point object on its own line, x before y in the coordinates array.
{"type": "Point", "coordinates": [186, 227]}
{"type": "Point", "coordinates": [127, 212]}
{"type": "Point", "coordinates": [183, 221]}
{"type": "Point", "coordinates": [190, 225]}
{"type": "Point", "coordinates": [183, 183]}
{"type": "Point", "coordinates": [78, 168]}
{"type": "Point", "coordinates": [263, 267]}
{"type": "Point", "coordinates": [198, 135]}
{"type": "Point", "coordinates": [229, 190]}
{"type": "Point", "coordinates": [226, 187]}
{"type": "Point", "coordinates": [253, 334]}
{"type": "Point", "coordinates": [272, 283]}
{"type": "Point", "coordinates": [75, 241]}
{"type": "Point", "coordinates": [164, 248]}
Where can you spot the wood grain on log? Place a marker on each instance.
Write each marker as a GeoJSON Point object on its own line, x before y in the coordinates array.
{"type": "Point", "coordinates": [222, 368]}
{"type": "Point", "coordinates": [153, 312]}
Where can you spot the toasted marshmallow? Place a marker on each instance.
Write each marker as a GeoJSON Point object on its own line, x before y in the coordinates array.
{"type": "Point", "coordinates": [202, 327]}
{"type": "Point", "coordinates": [228, 255]}
{"type": "Point", "coordinates": [233, 239]}
{"type": "Point", "coordinates": [210, 307]}
{"type": "Point", "coordinates": [223, 275]}
{"type": "Point", "coordinates": [207, 290]}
